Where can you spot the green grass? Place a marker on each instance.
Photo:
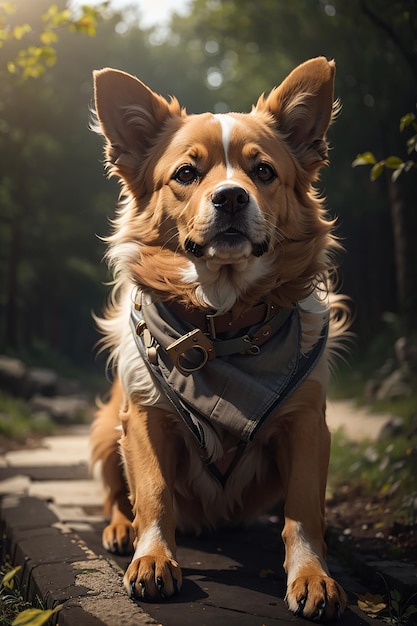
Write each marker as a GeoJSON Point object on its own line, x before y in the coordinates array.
{"type": "Point", "coordinates": [16, 422]}
{"type": "Point", "coordinates": [387, 467]}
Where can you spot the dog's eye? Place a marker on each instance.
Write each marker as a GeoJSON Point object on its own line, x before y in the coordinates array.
{"type": "Point", "coordinates": [265, 173]}
{"type": "Point", "coordinates": [186, 174]}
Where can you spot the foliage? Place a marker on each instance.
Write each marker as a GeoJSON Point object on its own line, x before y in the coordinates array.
{"type": "Point", "coordinates": [11, 599]}
{"type": "Point", "coordinates": [396, 612]}
{"type": "Point", "coordinates": [393, 162]}
{"type": "Point", "coordinates": [31, 61]}
{"type": "Point", "coordinates": [14, 610]}
{"type": "Point", "coordinates": [380, 467]}
{"type": "Point", "coordinates": [53, 196]}
{"type": "Point", "coordinates": [16, 422]}
{"type": "Point", "coordinates": [400, 612]}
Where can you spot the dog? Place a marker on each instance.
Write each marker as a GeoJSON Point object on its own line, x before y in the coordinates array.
{"type": "Point", "coordinates": [219, 327]}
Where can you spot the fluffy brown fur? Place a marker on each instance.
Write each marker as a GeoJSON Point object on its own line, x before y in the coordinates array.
{"type": "Point", "coordinates": [266, 238]}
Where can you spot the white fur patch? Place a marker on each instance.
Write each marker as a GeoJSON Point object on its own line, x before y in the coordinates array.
{"type": "Point", "coordinates": [149, 540]}
{"type": "Point", "coordinates": [226, 122]}
{"type": "Point", "coordinates": [300, 554]}
{"type": "Point", "coordinates": [215, 288]}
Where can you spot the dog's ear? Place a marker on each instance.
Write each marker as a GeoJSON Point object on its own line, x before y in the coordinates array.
{"type": "Point", "coordinates": [303, 107]}
{"type": "Point", "coordinates": [130, 116]}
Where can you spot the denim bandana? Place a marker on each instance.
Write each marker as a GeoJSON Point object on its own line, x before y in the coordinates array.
{"type": "Point", "coordinates": [236, 392]}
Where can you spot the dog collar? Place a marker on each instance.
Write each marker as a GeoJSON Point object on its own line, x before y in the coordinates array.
{"type": "Point", "coordinates": [236, 391]}
{"type": "Point", "coordinates": [191, 351]}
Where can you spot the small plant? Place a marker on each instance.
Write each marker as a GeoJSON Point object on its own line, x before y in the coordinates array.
{"type": "Point", "coordinates": [394, 163]}
{"type": "Point", "coordinates": [394, 612]}
{"type": "Point", "coordinates": [14, 610]}
{"type": "Point", "coordinates": [11, 599]}
{"type": "Point", "coordinates": [399, 614]}
{"type": "Point", "coordinates": [16, 422]}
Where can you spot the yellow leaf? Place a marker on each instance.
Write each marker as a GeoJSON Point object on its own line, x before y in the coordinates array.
{"type": "Point", "coordinates": [8, 578]}
{"type": "Point", "coordinates": [8, 8]}
{"type": "Point", "coordinates": [20, 31]}
{"type": "Point", "coordinates": [266, 573]}
{"type": "Point", "coordinates": [371, 604]}
{"type": "Point", "coordinates": [35, 617]}
{"type": "Point", "coordinates": [48, 37]}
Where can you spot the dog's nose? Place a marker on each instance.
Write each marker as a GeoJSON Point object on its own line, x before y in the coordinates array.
{"type": "Point", "coordinates": [230, 199]}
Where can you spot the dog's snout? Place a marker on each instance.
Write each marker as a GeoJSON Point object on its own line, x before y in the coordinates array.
{"type": "Point", "coordinates": [230, 199]}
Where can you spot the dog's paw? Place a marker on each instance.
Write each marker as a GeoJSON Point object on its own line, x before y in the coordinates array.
{"type": "Point", "coordinates": [153, 578]}
{"type": "Point", "coordinates": [118, 538]}
{"type": "Point", "coordinates": [317, 598]}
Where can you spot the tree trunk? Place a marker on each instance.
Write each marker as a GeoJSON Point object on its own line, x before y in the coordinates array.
{"type": "Point", "coordinates": [400, 245]}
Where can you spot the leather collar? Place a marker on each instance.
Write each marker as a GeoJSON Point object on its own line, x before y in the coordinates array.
{"type": "Point", "coordinates": [213, 325]}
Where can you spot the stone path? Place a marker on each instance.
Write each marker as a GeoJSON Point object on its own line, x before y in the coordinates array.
{"type": "Point", "coordinates": [50, 514]}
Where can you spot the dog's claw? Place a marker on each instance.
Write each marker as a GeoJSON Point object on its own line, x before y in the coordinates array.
{"type": "Point", "coordinates": [301, 604]}
{"type": "Point", "coordinates": [320, 610]}
{"type": "Point", "coordinates": [160, 587]}
{"type": "Point", "coordinates": [133, 590]}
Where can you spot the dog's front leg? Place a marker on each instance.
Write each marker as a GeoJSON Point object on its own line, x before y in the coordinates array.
{"type": "Point", "coordinates": [151, 452]}
{"type": "Point", "coordinates": [311, 592]}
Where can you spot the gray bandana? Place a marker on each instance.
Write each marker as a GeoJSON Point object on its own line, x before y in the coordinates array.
{"type": "Point", "coordinates": [236, 392]}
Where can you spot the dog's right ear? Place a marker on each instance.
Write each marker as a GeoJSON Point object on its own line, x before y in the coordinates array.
{"type": "Point", "coordinates": [130, 116]}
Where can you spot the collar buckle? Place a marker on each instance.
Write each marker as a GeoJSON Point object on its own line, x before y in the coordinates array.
{"type": "Point", "coordinates": [197, 341]}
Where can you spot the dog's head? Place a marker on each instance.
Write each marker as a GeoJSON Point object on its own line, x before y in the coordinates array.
{"type": "Point", "coordinates": [219, 210]}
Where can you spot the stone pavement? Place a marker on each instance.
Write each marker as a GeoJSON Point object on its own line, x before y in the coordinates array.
{"type": "Point", "coordinates": [51, 523]}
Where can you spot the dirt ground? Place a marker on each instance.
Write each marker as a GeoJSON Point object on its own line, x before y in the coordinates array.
{"type": "Point", "coordinates": [372, 525]}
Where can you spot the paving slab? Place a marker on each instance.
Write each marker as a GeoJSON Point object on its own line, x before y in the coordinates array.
{"type": "Point", "coordinates": [53, 523]}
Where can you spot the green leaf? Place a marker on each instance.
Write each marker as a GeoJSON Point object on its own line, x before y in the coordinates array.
{"type": "Point", "coordinates": [377, 170]}
{"type": "Point", "coordinates": [395, 595]}
{"type": "Point", "coordinates": [393, 162]}
{"type": "Point", "coordinates": [411, 610]}
{"type": "Point", "coordinates": [406, 120]}
{"type": "Point", "coordinates": [35, 617]}
{"type": "Point", "coordinates": [8, 578]}
{"type": "Point", "coordinates": [366, 158]}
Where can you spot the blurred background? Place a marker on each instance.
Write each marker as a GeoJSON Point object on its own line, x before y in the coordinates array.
{"type": "Point", "coordinates": [217, 55]}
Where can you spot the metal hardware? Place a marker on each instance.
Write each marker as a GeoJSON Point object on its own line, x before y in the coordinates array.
{"type": "Point", "coordinates": [140, 328]}
{"type": "Point", "coordinates": [211, 325]}
{"type": "Point", "coordinates": [194, 340]}
{"type": "Point", "coordinates": [252, 348]}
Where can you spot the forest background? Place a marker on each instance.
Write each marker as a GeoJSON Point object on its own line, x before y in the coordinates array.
{"type": "Point", "coordinates": [55, 203]}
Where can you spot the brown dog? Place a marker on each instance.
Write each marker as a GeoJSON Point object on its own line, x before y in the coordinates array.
{"type": "Point", "coordinates": [218, 326]}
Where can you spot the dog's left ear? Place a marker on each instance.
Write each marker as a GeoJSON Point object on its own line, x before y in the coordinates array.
{"type": "Point", "coordinates": [303, 106]}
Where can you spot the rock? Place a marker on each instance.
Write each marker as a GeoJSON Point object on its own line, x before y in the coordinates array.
{"type": "Point", "coordinates": [63, 410]}
{"type": "Point", "coordinates": [391, 429]}
{"type": "Point", "coordinates": [68, 387]}
{"type": "Point", "coordinates": [394, 386]}
{"type": "Point", "coordinates": [42, 380]}
{"type": "Point", "coordinates": [13, 376]}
